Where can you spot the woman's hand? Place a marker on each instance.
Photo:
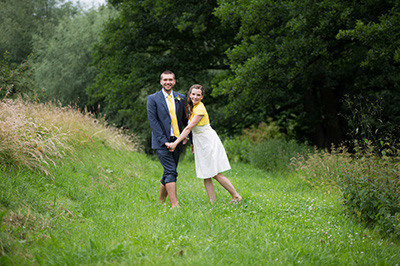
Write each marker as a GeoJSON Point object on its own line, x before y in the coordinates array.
{"type": "Point", "coordinates": [171, 146]}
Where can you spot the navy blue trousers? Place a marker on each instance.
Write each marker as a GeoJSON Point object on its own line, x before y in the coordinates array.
{"type": "Point", "coordinates": [169, 161]}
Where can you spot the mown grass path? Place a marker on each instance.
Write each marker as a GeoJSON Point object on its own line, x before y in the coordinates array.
{"type": "Point", "coordinates": [101, 208]}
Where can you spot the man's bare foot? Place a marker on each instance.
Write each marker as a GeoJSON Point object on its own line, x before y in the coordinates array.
{"type": "Point", "coordinates": [236, 199]}
{"type": "Point", "coordinates": [161, 202]}
{"type": "Point", "coordinates": [175, 206]}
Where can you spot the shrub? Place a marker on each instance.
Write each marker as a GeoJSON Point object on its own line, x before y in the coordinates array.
{"type": "Point", "coordinates": [275, 154]}
{"type": "Point", "coordinates": [371, 192]}
{"type": "Point", "coordinates": [16, 81]}
{"type": "Point", "coordinates": [263, 132]}
{"type": "Point", "coordinates": [370, 184]}
{"type": "Point", "coordinates": [237, 148]}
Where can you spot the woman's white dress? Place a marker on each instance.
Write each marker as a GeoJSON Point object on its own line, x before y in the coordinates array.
{"type": "Point", "coordinates": [209, 153]}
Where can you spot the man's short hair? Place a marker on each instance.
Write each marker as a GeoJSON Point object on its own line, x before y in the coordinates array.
{"type": "Point", "coordinates": [167, 72]}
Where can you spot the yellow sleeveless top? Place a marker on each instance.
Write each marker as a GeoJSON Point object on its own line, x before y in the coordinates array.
{"type": "Point", "coordinates": [200, 109]}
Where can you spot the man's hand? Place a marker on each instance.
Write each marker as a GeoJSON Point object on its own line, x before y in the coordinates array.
{"type": "Point", "coordinates": [171, 147]}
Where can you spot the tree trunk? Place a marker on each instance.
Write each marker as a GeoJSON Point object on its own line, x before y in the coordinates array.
{"type": "Point", "coordinates": [311, 108]}
{"type": "Point", "coordinates": [320, 107]}
{"type": "Point", "coordinates": [333, 134]}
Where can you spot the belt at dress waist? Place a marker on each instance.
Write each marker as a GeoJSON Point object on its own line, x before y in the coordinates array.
{"type": "Point", "coordinates": [201, 129]}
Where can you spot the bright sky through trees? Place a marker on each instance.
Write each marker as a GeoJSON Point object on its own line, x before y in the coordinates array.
{"type": "Point", "coordinates": [90, 3]}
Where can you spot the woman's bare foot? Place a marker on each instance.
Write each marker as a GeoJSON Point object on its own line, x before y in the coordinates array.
{"type": "Point", "coordinates": [236, 199]}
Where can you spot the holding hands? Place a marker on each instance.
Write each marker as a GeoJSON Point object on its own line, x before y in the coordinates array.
{"type": "Point", "coordinates": [171, 146]}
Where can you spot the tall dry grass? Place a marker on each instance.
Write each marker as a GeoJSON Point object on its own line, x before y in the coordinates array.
{"type": "Point", "coordinates": [36, 135]}
{"type": "Point", "coordinates": [323, 169]}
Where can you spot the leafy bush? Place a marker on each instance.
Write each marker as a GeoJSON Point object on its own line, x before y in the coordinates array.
{"type": "Point", "coordinates": [275, 154]}
{"type": "Point", "coordinates": [16, 81]}
{"type": "Point", "coordinates": [263, 132]}
{"type": "Point", "coordinates": [371, 192]}
{"type": "Point", "coordinates": [263, 146]}
{"type": "Point", "coordinates": [370, 185]}
{"type": "Point", "coordinates": [238, 148]}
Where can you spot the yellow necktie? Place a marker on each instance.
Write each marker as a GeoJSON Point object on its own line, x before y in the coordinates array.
{"type": "Point", "coordinates": [175, 127]}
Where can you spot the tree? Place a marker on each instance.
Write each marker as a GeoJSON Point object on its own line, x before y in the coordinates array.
{"type": "Point", "coordinates": [16, 82]}
{"type": "Point", "coordinates": [63, 62]}
{"type": "Point", "coordinates": [381, 39]}
{"type": "Point", "coordinates": [291, 66]}
{"type": "Point", "coordinates": [147, 38]}
{"type": "Point", "coordinates": [21, 19]}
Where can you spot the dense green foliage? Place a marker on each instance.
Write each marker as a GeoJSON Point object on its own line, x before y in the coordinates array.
{"type": "Point", "coordinates": [381, 37]}
{"type": "Point", "coordinates": [291, 65]}
{"type": "Point", "coordinates": [367, 123]}
{"type": "Point", "coordinates": [372, 194]}
{"type": "Point", "coordinates": [147, 38]}
{"type": "Point", "coordinates": [275, 154]}
{"type": "Point", "coordinates": [16, 81]}
{"type": "Point", "coordinates": [63, 60]}
{"type": "Point", "coordinates": [20, 20]}
{"type": "Point", "coordinates": [294, 62]}
{"type": "Point", "coordinates": [265, 147]}
{"type": "Point", "coordinates": [369, 184]}
{"type": "Point", "coordinates": [22, 23]}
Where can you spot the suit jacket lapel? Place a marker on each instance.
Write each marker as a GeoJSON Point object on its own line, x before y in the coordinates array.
{"type": "Point", "coordinates": [163, 102]}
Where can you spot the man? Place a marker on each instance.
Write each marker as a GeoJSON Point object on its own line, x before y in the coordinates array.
{"type": "Point", "coordinates": [166, 114]}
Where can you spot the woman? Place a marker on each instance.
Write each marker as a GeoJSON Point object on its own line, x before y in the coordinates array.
{"type": "Point", "coordinates": [209, 153]}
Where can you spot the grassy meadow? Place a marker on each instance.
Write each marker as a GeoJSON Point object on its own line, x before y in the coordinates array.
{"type": "Point", "coordinates": [92, 200]}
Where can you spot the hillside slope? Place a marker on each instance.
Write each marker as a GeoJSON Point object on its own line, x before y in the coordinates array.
{"type": "Point", "coordinates": [96, 204]}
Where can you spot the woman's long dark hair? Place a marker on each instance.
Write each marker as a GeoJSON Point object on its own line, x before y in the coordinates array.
{"type": "Point", "coordinates": [189, 106]}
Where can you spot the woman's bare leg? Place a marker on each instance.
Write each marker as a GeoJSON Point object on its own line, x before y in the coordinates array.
{"type": "Point", "coordinates": [228, 186]}
{"type": "Point", "coordinates": [208, 183]}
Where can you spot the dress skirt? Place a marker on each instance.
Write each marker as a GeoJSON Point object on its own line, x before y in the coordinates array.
{"type": "Point", "coordinates": [209, 154]}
